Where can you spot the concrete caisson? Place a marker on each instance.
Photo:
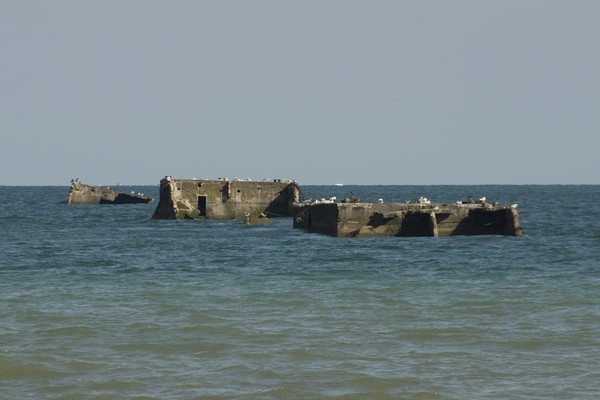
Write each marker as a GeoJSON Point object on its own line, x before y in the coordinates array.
{"type": "Point", "coordinates": [406, 219]}
{"type": "Point", "coordinates": [80, 193]}
{"type": "Point", "coordinates": [225, 199]}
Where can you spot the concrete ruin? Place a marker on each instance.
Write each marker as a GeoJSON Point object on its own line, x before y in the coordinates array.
{"type": "Point", "coordinates": [253, 219]}
{"type": "Point", "coordinates": [358, 219]}
{"type": "Point", "coordinates": [226, 199]}
{"type": "Point", "coordinates": [80, 193]}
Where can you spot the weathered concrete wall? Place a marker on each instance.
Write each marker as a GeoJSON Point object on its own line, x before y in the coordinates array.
{"type": "Point", "coordinates": [224, 199]}
{"type": "Point", "coordinates": [406, 219]}
{"type": "Point", "coordinates": [319, 219]}
{"type": "Point", "coordinates": [80, 193]}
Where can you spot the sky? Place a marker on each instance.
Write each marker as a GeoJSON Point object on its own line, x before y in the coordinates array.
{"type": "Point", "coordinates": [335, 91]}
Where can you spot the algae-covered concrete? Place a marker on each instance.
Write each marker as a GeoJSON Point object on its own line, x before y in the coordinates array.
{"type": "Point", "coordinates": [406, 219]}
{"type": "Point", "coordinates": [225, 199]}
{"type": "Point", "coordinates": [80, 193]}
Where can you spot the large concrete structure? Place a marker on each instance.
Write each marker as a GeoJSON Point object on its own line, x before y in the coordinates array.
{"type": "Point", "coordinates": [406, 219]}
{"type": "Point", "coordinates": [80, 193]}
{"type": "Point", "coordinates": [225, 199]}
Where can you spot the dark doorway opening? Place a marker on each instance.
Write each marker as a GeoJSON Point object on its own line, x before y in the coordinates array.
{"type": "Point", "coordinates": [202, 206]}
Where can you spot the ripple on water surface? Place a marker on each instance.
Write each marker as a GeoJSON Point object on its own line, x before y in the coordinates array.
{"type": "Point", "coordinates": [102, 302]}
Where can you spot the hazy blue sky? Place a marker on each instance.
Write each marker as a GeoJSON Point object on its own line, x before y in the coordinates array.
{"type": "Point", "coordinates": [366, 92]}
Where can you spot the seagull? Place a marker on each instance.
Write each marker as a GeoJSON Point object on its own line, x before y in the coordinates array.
{"type": "Point", "coordinates": [514, 205]}
{"type": "Point", "coordinates": [380, 200]}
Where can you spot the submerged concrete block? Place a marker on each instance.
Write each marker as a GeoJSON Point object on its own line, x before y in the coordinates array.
{"type": "Point", "coordinates": [80, 193]}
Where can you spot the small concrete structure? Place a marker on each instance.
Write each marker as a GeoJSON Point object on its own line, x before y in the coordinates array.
{"type": "Point", "coordinates": [256, 219]}
{"type": "Point", "coordinates": [406, 219]}
{"type": "Point", "coordinates": [226, 199]}
{"type": "Point", "coordinates": [80, 193]}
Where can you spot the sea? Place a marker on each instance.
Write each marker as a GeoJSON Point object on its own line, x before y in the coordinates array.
{"type": "Point", "coordinates": [102, 302]}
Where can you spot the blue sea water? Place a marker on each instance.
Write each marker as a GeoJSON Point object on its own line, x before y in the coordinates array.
{"type": "Point", "coordinates": [101, 302]}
